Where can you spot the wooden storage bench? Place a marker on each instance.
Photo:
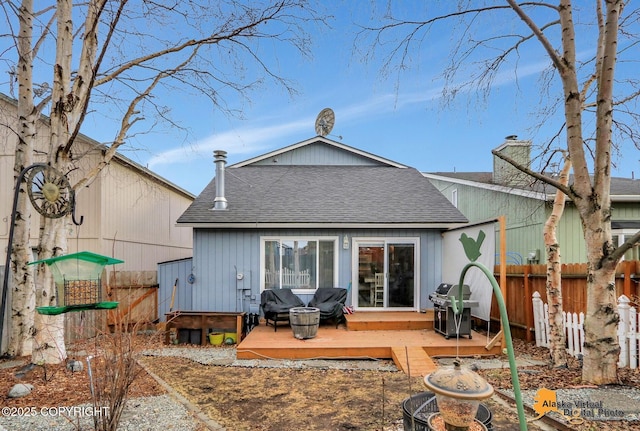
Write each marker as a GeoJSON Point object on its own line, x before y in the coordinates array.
{"type": "Point", "coordinates": [203, 321]}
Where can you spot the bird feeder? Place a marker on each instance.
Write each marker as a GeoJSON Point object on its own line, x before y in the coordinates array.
{"type": "Point", "coordinates": [78, 282]}
{"type": "Point", "coordinates": [459, 391]}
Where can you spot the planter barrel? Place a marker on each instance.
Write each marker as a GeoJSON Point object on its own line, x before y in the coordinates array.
{"type": "Point", "coordinates": [304, 322]}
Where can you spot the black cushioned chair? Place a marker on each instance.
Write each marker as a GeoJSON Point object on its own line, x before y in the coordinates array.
{"type": "Point", "coordinates": [330, 301]}
{"type": "Point", "coordinates": [276, 303]}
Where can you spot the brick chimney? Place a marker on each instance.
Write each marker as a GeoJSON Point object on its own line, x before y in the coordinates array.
{"type": "Point", "coordinates": [518, 150]}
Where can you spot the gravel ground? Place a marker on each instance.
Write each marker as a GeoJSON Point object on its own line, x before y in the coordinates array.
{"type": "Point", "coordinates": [140, 414]}
{"type": "Point", "coordinates": [227, 357]}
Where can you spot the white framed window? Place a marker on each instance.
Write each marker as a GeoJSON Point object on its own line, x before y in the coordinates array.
{"type": "Point", "coordinates": [454, 197]}
{"type": "Point", "coordinates": [619, 238]}
{"type": "Point", "coordinates": [301, 264]}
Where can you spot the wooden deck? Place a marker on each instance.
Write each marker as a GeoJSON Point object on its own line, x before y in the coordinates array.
{"type": "Point", "coordinates": [365, 336]}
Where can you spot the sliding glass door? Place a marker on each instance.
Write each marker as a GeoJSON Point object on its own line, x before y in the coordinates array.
{"type": "Point", "coordinates": [385, 273]}
{"type": "Point", "coordinates": [401, 275]}
{"type": "Point", "coordinates": [370, 274]}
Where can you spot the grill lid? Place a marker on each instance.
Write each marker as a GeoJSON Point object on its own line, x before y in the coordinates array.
{"type": "Point", "coordinates": [446, 290]}
{"type": "Point", "coordinates": [443, 289]}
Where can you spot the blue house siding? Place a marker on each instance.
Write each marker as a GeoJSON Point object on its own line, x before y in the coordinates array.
{"type": "Point", "coordinates": [168, 273]}
{"type": "Point", "coordinates": [318, 155]}
{"type": "Point", "coordinates": [226, 264]}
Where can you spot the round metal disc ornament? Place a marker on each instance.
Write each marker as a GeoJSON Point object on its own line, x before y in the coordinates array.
{"type": "Point", "coordinates": [49, 191]}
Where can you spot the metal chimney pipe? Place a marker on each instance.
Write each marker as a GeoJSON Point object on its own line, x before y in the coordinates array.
{"type": "Point", "coordinates": [220, 159]}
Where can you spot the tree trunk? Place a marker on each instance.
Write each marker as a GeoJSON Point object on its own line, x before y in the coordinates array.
{"type": "Point", "coordinates": [557, 337]}
{"type": "Point", "coordinates": [49, 345]}
{"type": "Point", "coordinates": [22, 299]}
{"type": "Point", "coordinates": [600, 362]}
{"type": "Point", "coordinates": [49, 340]}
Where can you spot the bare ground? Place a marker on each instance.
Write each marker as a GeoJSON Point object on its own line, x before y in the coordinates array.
{"type": "Point", "coordinates": [290, 399]}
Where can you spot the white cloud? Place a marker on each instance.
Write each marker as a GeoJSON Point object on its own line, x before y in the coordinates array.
{"type": "Point", "coordinates": [245, 141]}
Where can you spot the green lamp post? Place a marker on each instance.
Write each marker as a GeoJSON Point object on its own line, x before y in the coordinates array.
{"type": "Point", "coordinates": [78, 282]}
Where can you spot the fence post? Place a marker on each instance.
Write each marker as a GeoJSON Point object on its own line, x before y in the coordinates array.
{"type": "Point", "coordinates": [545, 325]}
{"type": "Point", "coordinates": [581, 332]}
{"type": "Point", "coordinates": [575, 327]}
{"type": "Point", "coordinates": [570, 321]}
{"type": "Point", "coordinates": [626, 281]}
{"type": "Point", "coordinates": [538, 316]}
{"type": "Point", "coordinates": [623, 324]}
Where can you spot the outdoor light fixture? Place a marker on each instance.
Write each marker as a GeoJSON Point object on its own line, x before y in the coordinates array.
{"type": "Point", "coordinates": [345, 242]}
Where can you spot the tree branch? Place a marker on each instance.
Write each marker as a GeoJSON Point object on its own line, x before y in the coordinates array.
{"type": "Point", "coordinates": [551, 52]}
{"type": "Point", "coordinates": [557, 184]}
{"type": "Point", "coordinates": [211, 40]}
{"type": "Point", "coordinates": [84, 82]}
{"type": "Point", "coordinates": [127, 123]}
{"type": "Point", "coordinates": [619, 252]}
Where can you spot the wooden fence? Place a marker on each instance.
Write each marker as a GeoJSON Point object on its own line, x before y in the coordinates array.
{"type": "Point", "coordinates": [137, 295]}
{"type": "Point", "coordinates": [573, 325]}
{"type": "Point", "coordinates": [524, 280]}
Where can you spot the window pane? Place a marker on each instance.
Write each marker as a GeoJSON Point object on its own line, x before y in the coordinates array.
{"type": "Point", "coordinates": [326, 259]}
{"type": "Point", "coordinates": [298, 264]}
{"type": "Point", "coordinates": [631, 254]}
{"type": "Point", "coordinates": [272, 265]}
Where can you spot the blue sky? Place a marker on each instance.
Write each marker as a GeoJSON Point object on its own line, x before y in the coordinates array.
{"type": "Point", "coordinates": [400, 117]}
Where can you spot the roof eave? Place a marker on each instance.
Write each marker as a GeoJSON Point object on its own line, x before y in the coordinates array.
{"type": "Point", "coordinates": [493, 187]}
{"type": "Point", "coordinates": [614, 198]}
{"type": "Point", "coordinates": [117, 156]}
{"type": "Point", "coordinates": [322, 225]}
{"type": "Point", "coordinates": [312, 140]}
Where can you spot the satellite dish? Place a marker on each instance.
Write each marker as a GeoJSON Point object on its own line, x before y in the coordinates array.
{"type": "Point", "coordinates": [324, 122]}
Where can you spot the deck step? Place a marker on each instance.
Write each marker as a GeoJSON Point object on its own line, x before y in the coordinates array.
{"type": "Point", "coordinates": [420, 364]}
{"type": "Point", "coordinates": [389, 321]}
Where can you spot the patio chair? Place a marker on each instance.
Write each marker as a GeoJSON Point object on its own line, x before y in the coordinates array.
{"type": "Point", "coordinates": [330, 300]}
{"type": "Point", "coordinates": [379, 290]}
{"type": "Point", "coordinates": [276, 303]}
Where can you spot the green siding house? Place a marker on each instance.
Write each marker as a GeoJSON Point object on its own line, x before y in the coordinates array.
{"type": "Point", "coordinates": [526, 205]}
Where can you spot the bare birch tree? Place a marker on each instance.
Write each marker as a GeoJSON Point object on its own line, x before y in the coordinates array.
{"type": "Point", "coordinates": [585, 102]}
{"type": "Point", "coordinates": [557, 336]}
{"type": "Point", "coordinates": [71, 60]}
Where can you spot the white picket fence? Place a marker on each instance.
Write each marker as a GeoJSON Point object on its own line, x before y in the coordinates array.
{"type": "Point", "coordinates": [628, 330]}
{"type": "Point", "coordinates": [290, 279]}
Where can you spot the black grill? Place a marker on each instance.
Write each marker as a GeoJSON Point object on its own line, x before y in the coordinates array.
{"type": "Point", "coordinates": [444, 319]}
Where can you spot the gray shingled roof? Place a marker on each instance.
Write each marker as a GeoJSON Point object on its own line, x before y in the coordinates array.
{"type": "Point", "coordinates": [324, 194]}
{"type": "Point", "coordinates": [619, 186]}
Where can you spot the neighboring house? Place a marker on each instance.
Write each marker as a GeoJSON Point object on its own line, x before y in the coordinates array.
{"type": "Point", "coordinates": [527, 204]}
{"type": "Point", "coordinates": [129, 212]}
{"type": "Point", "coordinates": [318, 214]}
